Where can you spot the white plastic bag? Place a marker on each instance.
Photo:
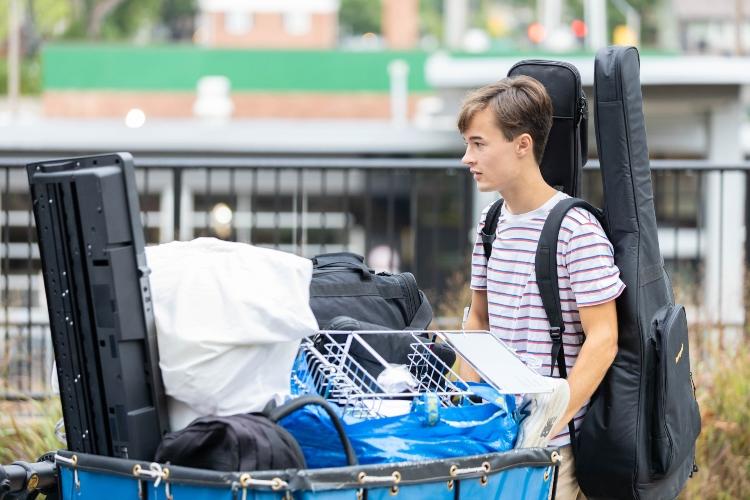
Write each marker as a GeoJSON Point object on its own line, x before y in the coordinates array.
{"type": "Point", "coordinates": [229, 318]}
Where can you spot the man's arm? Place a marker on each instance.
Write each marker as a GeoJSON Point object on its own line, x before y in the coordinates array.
{"type": "Point", "coordinates": [597, 354]}
{"type": "Point", "coordinates": [478, 319]}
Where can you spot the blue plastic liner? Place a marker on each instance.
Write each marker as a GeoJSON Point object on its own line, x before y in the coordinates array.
{"type": "Point", "coordinates": [458, 431]}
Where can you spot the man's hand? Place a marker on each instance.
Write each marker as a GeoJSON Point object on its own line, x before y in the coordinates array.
{"type": "Point", "coordinates": [478, 319]}
{"type": "Point", "coordinates": [597, 354]}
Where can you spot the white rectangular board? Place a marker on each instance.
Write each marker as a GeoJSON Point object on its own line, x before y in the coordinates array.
{"type": "Point", "coordinates": [496, 363]}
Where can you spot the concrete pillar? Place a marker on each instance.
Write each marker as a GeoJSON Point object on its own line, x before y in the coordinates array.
{"type": "Point", "coordinates": [187, 217]}
{"type": "Point", "coordinates": [398, 73]}
{"type": "Point", "coordinates": [14, 56]}
{"type": "Point", "coordinates": [166, 214]}
{"type": "Point", "coordinates": [668, 35]}
{"type": "Point", "coordinates": [550, 15]}
{"type": "Point", "coordinates": [244, 219]}
{"type": "Point", "coordinates": [400, 24]}
{"type": "Point", "coordinates": [303, 223]}
{"type": "Point", "coordinates": [214, 100]}
{"type": "Point", "coordinates": [595, 16]}
{"type": "Point", "coordinates": [725, 222]}
{"type": "Point", "coordinates": [455, 17]}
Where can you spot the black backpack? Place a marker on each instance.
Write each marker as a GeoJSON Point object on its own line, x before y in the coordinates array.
{"type": "Point", "coordinates": [566, 151]}
{"type": "Point", "coordinates": [244, 442]}
{"type": "Point", "coordinates": [638, 437]}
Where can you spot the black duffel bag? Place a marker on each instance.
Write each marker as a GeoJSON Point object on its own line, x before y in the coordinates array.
{"type": "Point", "coordinates": [345, 295]}
{"type": "Point", "coordinates": [343, 285]}
{"type": "Point", "coordinates": [245, 442]}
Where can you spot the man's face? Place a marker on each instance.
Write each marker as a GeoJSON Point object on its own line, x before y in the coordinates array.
{"type": "Point", "coordinates": [491, 158]}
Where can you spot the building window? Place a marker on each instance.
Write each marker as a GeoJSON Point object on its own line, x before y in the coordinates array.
{"type": "Point", "coordinates": [297, 23]}
{"type": "Point", "coordinates": [238, 22]}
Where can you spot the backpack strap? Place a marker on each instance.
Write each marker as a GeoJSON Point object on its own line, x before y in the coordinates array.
{"type": "Point", "coordinates": [546, 278]}
{"type": "Point", "coordinates": [252, 429]}
{"type": "Point", "coordinates": [423, 317]}
{"type": "Point", "coordinates": [342, 259]}
{"type": "Point", "coordinates": [490, 227]}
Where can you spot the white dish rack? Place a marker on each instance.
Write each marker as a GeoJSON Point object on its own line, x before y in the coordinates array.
{"type": "Point", "coordinates": [325, 366]}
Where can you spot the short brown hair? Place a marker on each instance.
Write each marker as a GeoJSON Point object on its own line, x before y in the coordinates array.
{"type": "Point", "coordinates": [520, 105]}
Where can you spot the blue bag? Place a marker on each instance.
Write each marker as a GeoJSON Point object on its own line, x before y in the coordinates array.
{"type": "Point", "coordinates": [417, 435]}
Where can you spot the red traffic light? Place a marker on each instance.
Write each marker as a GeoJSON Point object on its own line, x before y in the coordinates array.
{"type": "Point", "coordinates": [536, 32]}
{"type": "Point", "coordinates": [579, 28]}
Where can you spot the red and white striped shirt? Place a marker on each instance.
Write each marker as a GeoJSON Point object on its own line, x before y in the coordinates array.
{"type": "Point", "coordinates": [587, 276]}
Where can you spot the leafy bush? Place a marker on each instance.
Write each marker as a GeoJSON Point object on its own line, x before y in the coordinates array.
{"type": "Point", "coordinates": [27, 430]}
{"type": "Point", "coordinates": [723, 450]}
{"type": "Point", "coordinates": [31, 76]}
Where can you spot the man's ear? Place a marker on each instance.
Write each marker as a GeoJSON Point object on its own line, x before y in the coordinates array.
{"type": "Point", "coordinates": [524, 145]}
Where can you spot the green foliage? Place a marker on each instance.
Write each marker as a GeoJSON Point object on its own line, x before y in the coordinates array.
{"type": "Point", "coordinates": [50, 16]}
{"type": "Point", "coordinates": [130, 17]}
{"type": "Point", "coordinates": [72, 19]}
{"type": "Point", "coordinates": [359, 16]}
{"type": "Point", "coordinates": [178, 16]}
{"type": "Point", "coordinates": [431, 17]}
{"type": "Point", "coordinates": [723, 450]}
{"type": "Point", "coordinates": [31, 76]}
{"type": "Point", "coordinates": [28, 437]}
{"type": "Point", "coordinates": [478, 13]}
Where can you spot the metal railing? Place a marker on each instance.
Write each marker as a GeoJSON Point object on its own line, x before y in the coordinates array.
{"type": "Point", "coordinates": [404, 214]}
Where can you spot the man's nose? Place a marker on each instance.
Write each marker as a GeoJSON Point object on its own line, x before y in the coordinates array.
{"type": "Point", "coordinates": [467, 159]}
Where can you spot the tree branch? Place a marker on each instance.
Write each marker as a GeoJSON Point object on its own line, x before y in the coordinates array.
{"type": "Point", "coordinates": [100, 12]}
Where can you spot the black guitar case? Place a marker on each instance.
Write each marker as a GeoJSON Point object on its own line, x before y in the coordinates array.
{"type": "Point", "coordinates": [567, 146]}
{"type": "Point", "coordinates": [566, 150]}
{"type": "Point", "coordinates": [638, 438]}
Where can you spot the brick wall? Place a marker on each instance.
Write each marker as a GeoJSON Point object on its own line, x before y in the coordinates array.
{"type": "Point", "coordinates": [303, 105]}
{"type": "Point", "coordinates": [268, 30]}
{"type": "Point", "coordinates": [400, 23]}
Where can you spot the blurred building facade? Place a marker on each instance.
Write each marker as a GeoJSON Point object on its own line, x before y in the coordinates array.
{"type": "Point", "coordinates": [97, 81]}
{"type": "Point", "coordinates": [279, 24]}
{"type": "Point", "coordinates": [716, 27]}
{"type": "Point", "coordinates": [280, 59]}
{"type": "Point", "coordinates": [400, 21]}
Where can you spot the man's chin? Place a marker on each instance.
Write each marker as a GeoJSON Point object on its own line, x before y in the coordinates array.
{"type": "Point", "coordinates": [484, 188]}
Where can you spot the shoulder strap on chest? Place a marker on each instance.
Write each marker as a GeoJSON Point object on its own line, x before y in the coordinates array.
{"type": "Point", "coordinates": [549, 289]}
{"type": "Point", "coordinates": [546, 274]}
{"type": "Point", "coordinates": [490, 227]}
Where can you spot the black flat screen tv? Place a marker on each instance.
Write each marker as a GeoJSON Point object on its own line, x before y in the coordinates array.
{"type": "Point", "coordinates": [96, 282]}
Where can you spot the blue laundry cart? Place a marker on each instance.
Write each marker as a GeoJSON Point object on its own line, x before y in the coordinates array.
{"type": "Point", "coordinates": [527, 473]}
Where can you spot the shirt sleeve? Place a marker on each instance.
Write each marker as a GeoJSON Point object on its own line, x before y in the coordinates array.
{"type": "Point", "coordinates": [478, 260]}
{"type": "Point", "coordinates": [589, 257]}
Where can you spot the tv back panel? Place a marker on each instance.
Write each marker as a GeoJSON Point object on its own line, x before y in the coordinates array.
{"type": "Point", "coordinates": [98, 296]}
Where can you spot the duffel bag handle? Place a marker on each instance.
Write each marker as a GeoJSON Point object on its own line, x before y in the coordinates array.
{"type": "Point", "coordinates": [342, 259]}
{"type": "Point", "coordinates": [295, 404]}
{"type": "Point", "coordinates": [423, 317]}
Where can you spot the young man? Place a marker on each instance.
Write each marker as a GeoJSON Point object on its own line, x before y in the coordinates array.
{"type": "Point", "coordinates": [505, 126]}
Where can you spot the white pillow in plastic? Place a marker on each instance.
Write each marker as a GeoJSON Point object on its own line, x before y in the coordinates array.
{"type": "Point", "coordinates": [229, 318]}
